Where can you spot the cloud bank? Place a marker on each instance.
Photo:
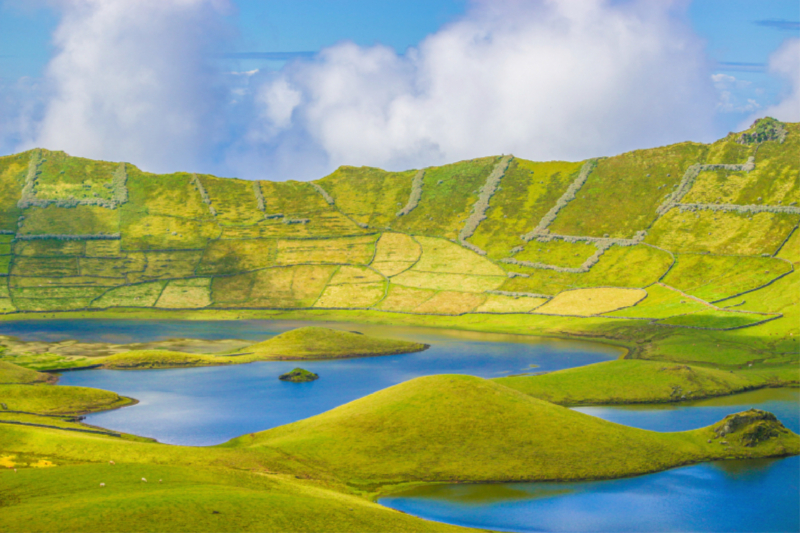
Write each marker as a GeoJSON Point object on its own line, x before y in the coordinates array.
{"type": "Point", "coordinates": [542, 80]}
{"type": "Point", "coordinates": [785, 63]}
{"type": "Point", "coordinates": [131, 81]}
{"type": "Point", "coordinates": [138, 80]}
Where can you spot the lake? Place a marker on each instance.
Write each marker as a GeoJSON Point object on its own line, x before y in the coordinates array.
{"type": "Point", "coordinates": [210, 405]}
{"type": "Point", "coordinates": [753, 495]}
{"type": "Point", "coordinates": [202, 406]}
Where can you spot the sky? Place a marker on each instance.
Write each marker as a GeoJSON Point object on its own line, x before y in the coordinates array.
{"type": "Point", "coordinates": [268, 89]}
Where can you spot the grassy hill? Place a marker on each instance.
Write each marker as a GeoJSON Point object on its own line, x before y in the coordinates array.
{"type": "Point", "coordinates": [463, 428]}
{"type": "Point", "coordinates": [300, 344]}
{"type": "Point", "coordinates": [683, 253]}
{"type": "Point", "coordinates": [323, 473]}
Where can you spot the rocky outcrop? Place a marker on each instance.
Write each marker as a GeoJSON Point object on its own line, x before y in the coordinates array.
{"type": "Point", "coordinates": [751, 427]}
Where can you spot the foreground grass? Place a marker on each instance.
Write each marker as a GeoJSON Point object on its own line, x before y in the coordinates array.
{"type": "Point", "coordinates": [321, 474]}
{"type": "Point", "coordinates": [174, 498]}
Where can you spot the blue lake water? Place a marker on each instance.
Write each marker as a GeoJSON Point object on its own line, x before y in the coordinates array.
{"type": "Point", "coordinates": [202, 406]}
{"type": "Point", "coordinates": [726, 496]}
{"type": "Point", "coordinates": [747, 496]}
{"type": "Point", "coordinates": [783, 403]}
{"type": "Point", "coordinates": [210, 405]}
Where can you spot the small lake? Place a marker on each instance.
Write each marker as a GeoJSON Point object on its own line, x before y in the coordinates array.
{"type": "Point", "coordinates": [203, 406]}
{"type": "Point", "coordinates": [783, 403]}
{"type": "Point", "coordinates": [210, 405]}
{"type": "Point", "coordinates": [748, 496]}
{"type": "Point", "coordinates": [743, 496]}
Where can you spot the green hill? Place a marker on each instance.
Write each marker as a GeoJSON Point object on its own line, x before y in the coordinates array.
{"type": "Point", "coordinates": [326, 343]}
{"type": "Point", "coordinates": [463, 428]}
{"type": "Point", "coordinates": [77, 234]}
{"type": "Point", "coordinates": [301, 344]}
{"type": "Point", "coordinates": [321, 473]}
{"type": "Point", "coordinates": [683, 253]}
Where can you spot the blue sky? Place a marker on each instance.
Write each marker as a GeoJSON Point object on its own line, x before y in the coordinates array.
{"type": "Point", "coordinates": [730, 45]}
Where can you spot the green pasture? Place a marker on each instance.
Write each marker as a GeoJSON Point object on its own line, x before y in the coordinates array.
{"type": "Point", "coordinates": [622, 193]}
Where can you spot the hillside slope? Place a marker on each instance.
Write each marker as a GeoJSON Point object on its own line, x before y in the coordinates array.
{"type": "Point", "coordinates": [453, 427]}
{"type": "Point", "coordinates": [685, 241]}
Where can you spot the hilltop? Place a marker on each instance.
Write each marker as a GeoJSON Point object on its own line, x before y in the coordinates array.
{"type": "Point", "coordinates": [684, 253]}
{"type": "Point", "coordinates": [464, 428]}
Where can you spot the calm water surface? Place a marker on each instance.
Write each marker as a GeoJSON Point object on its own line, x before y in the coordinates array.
{"type": "Point", "coordinates": [748, 496]}
{"type": "Point", "coordinates": [204, 406]}
{"type": "Point", "coordinates": [783, 403]}
{"type": "Point", "coordinates": [201, 406]}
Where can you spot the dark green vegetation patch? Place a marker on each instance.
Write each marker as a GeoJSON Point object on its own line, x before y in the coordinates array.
{"type": "Point", "coordinates": [299, 375]}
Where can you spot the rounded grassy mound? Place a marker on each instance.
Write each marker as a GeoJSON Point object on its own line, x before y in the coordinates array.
{"type": "Point", "coordinates": [453, 427]}
{"type": "Point", "coordinates": [315, 342]}
{"type": "Point", "coordinates": [144, 359]}
{"type": "Point", "coordinates": [11, 373]}
{"type": "Point", "coordinates": [52, 400]}
{"type": "Point", "coordinates": [299, 375]}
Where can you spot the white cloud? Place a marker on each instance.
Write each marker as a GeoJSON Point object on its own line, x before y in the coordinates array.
{"type": "Point", "coordinates": [784, 62]}
{"type": "Point", "coordinates": [543, 80]}
{"type": "Point", "coordinates": [730, 91]}
{"type": "Point", "coordinates": [20, 112]}
{"type": "Point", "coordinates": [130, 82]}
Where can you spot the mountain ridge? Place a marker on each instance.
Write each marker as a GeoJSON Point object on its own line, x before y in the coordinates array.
{"type": "Point", "coordinates": [490, 235]}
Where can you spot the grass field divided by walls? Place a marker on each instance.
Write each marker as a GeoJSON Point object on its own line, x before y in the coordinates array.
{"type": "Point", "coordinates": [295, 247]}
{"type": "Point", "coordinates": [62, 177]}
{"type": "Point", "coordinates": [395, 252]}
{"type": "Point", "coordinates": [369, 195]}
{"type": "Point", "coordinates": [774, 181]}
{"type": "Point", "coordinates": [791, 248]}
{"type": "Point", "coordinates": [622, 193]}
{"type": "Point", "coordinates": [448, 193]}
{"type": "Point", "coordinates": [587, 302]}
{"type": "Point", "coordinates": [715, 277]}
{"type": "Point", "coordinates": [527, 192]}
{"type": "Point", "coordinates": [628, 267]}
{"type": "Point", "coordinates": [661, 302]}
{"type": "Point", "coordinates": [557, 253]}
{"type": "Point", "coordinates": [234, 201]}
{"type": "Point", "coordinates": [722, 232]}
{"type": "Point", "coordinates": [13, 169]}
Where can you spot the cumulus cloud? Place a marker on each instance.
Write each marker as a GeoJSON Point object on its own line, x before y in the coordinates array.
{"type": "Point", "coordinates": [21, 108]}
{"type": "Point", "coordinates": [543, 80]}
{"type": "Point", "coordinates": [729, 100]}
{"type": "Point", "coordinates": [131, 81]}
{"type": "Point", "coordinates": [784, 62]}
{"type": "Point", "coordinates": [134, 80]}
